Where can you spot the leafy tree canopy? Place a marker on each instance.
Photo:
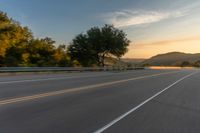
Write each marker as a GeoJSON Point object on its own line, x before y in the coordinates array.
{"type": "Point", "coordinates": [18, 47]}
{"type": "Point", "coordinates": [97, 43]}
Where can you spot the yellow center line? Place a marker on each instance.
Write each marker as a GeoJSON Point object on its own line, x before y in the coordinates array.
{"type": "Point", "coordinates": [54, 93]}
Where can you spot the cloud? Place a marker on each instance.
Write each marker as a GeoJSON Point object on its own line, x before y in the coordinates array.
{"type": "Point", "coordinates": [172, 41]}
{"type": "Point", "coordinates": [149, 49]}
{"type": "Point", "coordinates": [139, 17]}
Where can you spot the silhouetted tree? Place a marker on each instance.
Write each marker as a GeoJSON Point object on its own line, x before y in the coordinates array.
{"type": "Point", "coordinates": [96, 44]}
{"type": "Point", "coordinates": [196, 64]}
{"type": "Point", "coordinates": [185, 64]}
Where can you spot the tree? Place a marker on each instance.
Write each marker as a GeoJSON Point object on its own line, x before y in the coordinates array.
{"type": "Point", "coordinates": [185, 64]}
{"type": "Point", "coordinates": [197, 63]}
{"type": "Point", "coordinates": [61, 56]}
{"type": "Point", "coordinates": [82, 51]}
{"type": "Point", "coordinates": [13, 40]}
{"type": "Point", "coordinates": [97, 44]}
{"type": "Point", "coordinates": [41, 52]}
{"type": "Point", "coordinates": [18, 47]}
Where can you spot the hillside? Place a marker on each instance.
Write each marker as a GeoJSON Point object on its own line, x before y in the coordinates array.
{"type": "Point", "coordinates": [171, 59]}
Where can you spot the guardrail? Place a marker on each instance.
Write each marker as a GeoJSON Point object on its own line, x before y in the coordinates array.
{"type": "Point", "coordinates": [47, 69]}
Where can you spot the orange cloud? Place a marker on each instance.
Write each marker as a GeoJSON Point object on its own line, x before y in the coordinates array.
{"type": "Point", "coordinates": [164, 42]}
{"type": "Point", "coordinates": [149, 49]}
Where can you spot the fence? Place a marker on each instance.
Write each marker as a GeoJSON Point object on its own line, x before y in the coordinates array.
{"type": "Point", "coordinates": [46, 69]}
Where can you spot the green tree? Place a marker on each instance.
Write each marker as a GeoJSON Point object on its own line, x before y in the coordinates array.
{"type": "Point", "coordinates": [18, 47]}
{"type": "Point", "coordinates": [41, 52]}
{"type": "Point", "coordinates": [97, 44]}
{"type": "Point", "coordinates": [61, 56]}
{"type": "Point", "coordinates": [82, 51]}
{"type": "Point", "coordinates": [13, 39]}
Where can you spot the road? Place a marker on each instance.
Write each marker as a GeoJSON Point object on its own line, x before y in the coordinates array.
{"type": "Point", "coordinates": [140, 101]}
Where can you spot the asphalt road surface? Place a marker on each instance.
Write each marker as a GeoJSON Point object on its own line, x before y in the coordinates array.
{"type": "Point", "coordinates": [141, 101]}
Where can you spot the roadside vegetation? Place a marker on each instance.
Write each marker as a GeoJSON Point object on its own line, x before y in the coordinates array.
{"type": "Point", "coordinates": [98, 46]}
{"type": "Point", "coordinates": [18, 47]}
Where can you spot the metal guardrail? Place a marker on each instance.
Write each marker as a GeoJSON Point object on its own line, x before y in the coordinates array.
{"type": "Point", "coordinates": [46, 69]}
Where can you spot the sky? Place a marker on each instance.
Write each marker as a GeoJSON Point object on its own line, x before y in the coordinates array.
{"type": "Point", "coordinates": [153, 26]}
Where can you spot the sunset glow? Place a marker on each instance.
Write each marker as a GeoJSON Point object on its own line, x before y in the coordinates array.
{"type": "Point", "coordinates": [154, 27]}
{"type": "Point", "coordinates": [147, 50]}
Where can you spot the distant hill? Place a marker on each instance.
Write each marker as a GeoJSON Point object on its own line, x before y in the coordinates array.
{"type": "Point", "coordinates": [171, 59]}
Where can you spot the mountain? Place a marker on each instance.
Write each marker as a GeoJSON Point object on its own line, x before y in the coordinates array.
{"type": "Point", "coordinates": [171, 59]}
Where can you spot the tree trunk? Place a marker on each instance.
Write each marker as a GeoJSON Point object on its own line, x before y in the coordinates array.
{"type": "Point", "coordinates": [103, 59]}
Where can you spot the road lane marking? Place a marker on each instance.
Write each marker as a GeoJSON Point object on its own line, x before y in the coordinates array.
{"type": "Point", "coordinates": [54, 93]}
{"type": "Point", "coordinates": [140, 105]}
{"type": "Point", "coordinates": [47, 79]}
{"type": "Point", "coordinates": [56, 78]}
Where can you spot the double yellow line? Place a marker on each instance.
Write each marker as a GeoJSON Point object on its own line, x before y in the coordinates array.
{"type": "Point", "coordinates": [54, 93]}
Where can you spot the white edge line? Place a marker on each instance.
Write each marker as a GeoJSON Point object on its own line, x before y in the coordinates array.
{"type": "Point", "coordinates": [140, 105]}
